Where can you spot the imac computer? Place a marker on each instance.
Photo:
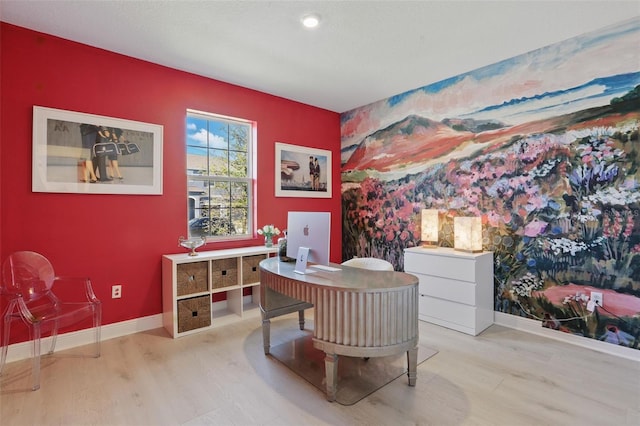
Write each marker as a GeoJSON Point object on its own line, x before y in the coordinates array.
{"type": "Point", "coordinates": [311, 230]}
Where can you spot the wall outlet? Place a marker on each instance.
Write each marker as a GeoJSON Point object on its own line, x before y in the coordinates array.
{"type": "Point", "coordinates": [597, 298]}
{"type": "Point", "coordinates": [116, 291]}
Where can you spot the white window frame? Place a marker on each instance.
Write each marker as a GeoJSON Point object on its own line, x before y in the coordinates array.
{"type": "Point", "coordinates": [249, 180]}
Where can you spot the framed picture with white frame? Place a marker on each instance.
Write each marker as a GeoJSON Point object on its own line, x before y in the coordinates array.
{"type": "Point", "coordinates": [76, 152]}
{"type": "Point", "coordinates": [302, 171]}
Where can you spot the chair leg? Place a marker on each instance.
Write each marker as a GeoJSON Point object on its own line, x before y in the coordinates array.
{"type": "Point", "coordinates": [97, 323]}
{"type": "Point", "coordinates": [54, 337]}
{"type": "Point", "coordinates": [301, 319]}
{"type": "Point", "coordinates": [36, 357]}
{"type": "Point", "coordinates": [5, 344]}
{"type": "Point", "coordinates": [5, 334]}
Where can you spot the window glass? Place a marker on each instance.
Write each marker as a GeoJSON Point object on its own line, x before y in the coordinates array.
{"type": "Point", "coordinates": [219, 176]}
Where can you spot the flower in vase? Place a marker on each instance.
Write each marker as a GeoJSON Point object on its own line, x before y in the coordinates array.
{"type": "Point", "coordinates": [268, 231]}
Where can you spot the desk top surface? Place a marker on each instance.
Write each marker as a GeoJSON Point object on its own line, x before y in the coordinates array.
{"type": "Point", "coordinates": [347, 277]}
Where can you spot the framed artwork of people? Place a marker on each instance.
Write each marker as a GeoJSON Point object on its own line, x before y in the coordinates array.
{"type": "Point", "coordinates": [302, 171]}
{"type": "Point", "coordinates": [76, 152]}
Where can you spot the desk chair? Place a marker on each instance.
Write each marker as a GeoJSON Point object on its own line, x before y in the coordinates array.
{"type": "Point", "coordinates": [371, 263]}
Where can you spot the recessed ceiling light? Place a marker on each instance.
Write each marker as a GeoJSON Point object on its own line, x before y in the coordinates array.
{"type": "Point", "coordinates": [311, 21]}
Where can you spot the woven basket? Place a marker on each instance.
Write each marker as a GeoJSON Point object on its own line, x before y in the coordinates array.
{"type": "Point", "coordinates": [224, 272]}
{"type": "Point", "coordinates": [194, 313]}
{"type": "Point", "coordinates": [250, 269]}
{"type": "Point", "coordinates": [192, 278]}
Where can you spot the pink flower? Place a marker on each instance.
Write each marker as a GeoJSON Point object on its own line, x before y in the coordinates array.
{"type": "Point", "coordinates": [629, 228]}
{"type": "Point", "coordinates": [535, 228]}
{"type": "Point", "coordinates": [617, 225]}
{"type": "Point", "coordinates": [532, 190]}
{"type": "Point", "coordinates": [493, 219]}
{"type": "Point", "coordinates": [606, 222]}
{"type": "Point", "coordinates": [536, 203]}
{"type": "Point", "coordinates": [506, 217]}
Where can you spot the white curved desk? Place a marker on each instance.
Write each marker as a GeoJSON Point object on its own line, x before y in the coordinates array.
{"type": "Point", "coordinates": [358, 312]}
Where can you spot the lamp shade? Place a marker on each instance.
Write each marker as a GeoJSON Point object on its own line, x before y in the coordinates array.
{"type": "Point", "coordinates": [429, 227]}
{"type": "Point", "coordinates": [467, 234]}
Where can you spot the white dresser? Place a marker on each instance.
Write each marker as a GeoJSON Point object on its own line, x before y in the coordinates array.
{"type": "Point", "coordinates": [456, 288]}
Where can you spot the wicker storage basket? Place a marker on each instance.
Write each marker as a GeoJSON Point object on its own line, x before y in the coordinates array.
{"type": "Point", "coordinates": [250, 269]}
{"type": "Point", "coordinates": [194, 313]}
{"type": "Point", "coordinates": [224, 272]}
{"type": "Point", "coordinates": [192, 278]}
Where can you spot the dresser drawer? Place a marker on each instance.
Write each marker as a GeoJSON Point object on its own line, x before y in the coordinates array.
{"type": "Point", "coordinates": [448, 312]}
{"type": "Point", "coordinates": [443, 288]}
{"type": "Point", "coordinates": [457, 268]}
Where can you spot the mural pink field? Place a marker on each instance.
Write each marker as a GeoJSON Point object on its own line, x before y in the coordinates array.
{"type": "Point", "coordinates": [544, 147]}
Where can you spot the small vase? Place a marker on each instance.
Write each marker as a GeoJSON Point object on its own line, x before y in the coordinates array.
{"type": "Point", "coordinates": [268, 241]}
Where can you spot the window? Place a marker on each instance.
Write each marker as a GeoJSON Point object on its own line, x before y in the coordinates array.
{"type": "Point", "coordinates": [219, 173]}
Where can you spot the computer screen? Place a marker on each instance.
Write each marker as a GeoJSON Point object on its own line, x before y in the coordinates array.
{"type": "Point", "coordinates": [312, 230]}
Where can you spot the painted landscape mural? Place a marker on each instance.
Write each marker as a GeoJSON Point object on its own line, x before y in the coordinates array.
{"type": "Point", "coordinates": [544, 147]}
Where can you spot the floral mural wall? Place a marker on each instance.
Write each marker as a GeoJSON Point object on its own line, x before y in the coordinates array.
{"type": "Point", "coordinates": [544, 147]}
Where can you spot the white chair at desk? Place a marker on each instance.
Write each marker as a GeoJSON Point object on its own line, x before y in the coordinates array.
{"type": "Point", "coordinates": [371, 263]}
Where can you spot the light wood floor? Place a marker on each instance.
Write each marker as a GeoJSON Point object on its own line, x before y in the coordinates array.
{"type": "Point", "coordinates": [221, 377]}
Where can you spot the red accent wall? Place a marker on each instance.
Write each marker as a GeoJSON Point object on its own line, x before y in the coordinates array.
{"type": "Point", "coordinates": [121, 238]}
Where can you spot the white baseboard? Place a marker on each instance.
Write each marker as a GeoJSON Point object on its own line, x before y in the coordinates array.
{"type": "Point", "coordinates": [22, 350]}
{"type": "Point", "coordinates": [534, 327]}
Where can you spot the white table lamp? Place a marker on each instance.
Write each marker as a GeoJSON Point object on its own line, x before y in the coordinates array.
{"type": "Point", "coordinates": [429, 228]}
{"type": "Point", "coordinates": [467, 234]}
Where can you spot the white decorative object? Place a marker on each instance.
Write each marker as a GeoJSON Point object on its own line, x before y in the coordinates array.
{"type": "Point", "coordinates": [467, 234]}
{"type": "Point", "coordinates": [429, 227]}
{"type": "Point", "coordinates": [192, 244]}
{"type": "Point", "coordinates": [456, 288]}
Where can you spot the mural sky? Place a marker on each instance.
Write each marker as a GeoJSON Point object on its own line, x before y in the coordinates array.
{"type": "Point", "coordinates": [557, 79]}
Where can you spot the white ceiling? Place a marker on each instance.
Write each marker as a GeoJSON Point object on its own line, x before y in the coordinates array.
{"type": "Point", "coordinates": [363, 51]}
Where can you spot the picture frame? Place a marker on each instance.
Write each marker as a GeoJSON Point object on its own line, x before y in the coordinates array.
{"type": "Point", "coordinates": [293, 171]}
{"type": "Point", "coordinates": [75, 152]}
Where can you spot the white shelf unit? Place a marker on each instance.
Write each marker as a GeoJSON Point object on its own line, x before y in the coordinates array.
{"type": "Point", "coordinates": [191, 283]}
{"type": "Point", "coordinates": [456, 288]}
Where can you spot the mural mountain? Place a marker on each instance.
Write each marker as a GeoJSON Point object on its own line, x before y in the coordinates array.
{"type": "Point", "coordinates": [416, 142]}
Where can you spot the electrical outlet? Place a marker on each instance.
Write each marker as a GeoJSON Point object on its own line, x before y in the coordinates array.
{"type": "Point", "coordinates": [597, 298]}
{"type": "Point", "coordinates": [116, 291]}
